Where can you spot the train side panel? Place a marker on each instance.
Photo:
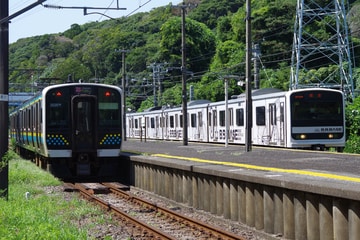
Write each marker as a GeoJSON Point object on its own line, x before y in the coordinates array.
{"type": "Point", "coordinates": [197, 123]}
{"type": "Point", "coordinates": [269, 120]}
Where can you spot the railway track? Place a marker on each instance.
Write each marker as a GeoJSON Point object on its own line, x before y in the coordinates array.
{"type": "Point", "coordinates": [147, 220]}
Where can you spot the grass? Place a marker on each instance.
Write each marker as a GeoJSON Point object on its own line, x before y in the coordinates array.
{"type": "Point", "coordinates": [45, 214]}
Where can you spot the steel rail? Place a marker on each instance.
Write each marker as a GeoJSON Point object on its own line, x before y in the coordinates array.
{"type": "Point", "coordinates": [152, 232]}
{"type": "Point", "coordinates": [217, 232]}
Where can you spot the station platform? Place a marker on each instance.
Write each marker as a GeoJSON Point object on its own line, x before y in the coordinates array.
{"type": "Point", "coordinates": [341, 164]}
{"type": "Point", "coordinates": [294, 194]}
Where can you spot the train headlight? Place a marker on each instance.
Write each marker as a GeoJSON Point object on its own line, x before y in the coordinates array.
{"type": "Point", "coordinates": [331, 136]}
{"type": "Point", "coordinates": [302, 136]}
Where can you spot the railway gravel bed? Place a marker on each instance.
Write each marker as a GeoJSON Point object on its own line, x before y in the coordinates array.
{"type": "Point", "coordinates": [120, 230]}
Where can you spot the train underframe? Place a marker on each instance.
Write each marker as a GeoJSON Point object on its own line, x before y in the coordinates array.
{"type": "Point", "coordinates": [83, 166]}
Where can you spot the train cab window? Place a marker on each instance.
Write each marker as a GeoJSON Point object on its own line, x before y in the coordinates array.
{"type": "Point", "coordinates": [57, 115]}
{"type": "Point", "coordinates": [193, 120]}
{"type": "Point", "coordinates": [260, 116]}
{"type": "Point", "coordinates": [109, 108]}
{"type": "Point", "coordinates": [239, 118]}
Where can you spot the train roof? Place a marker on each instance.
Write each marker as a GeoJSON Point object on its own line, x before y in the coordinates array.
{"type": "Point", "coordinates": [197, 102]}
{"type": "Point", "coordinates": [69, 84]}
{"type": "Point", "coordinates": [262, 91]}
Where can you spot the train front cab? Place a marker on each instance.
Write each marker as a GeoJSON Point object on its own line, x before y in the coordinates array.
{"type": "Point", "coordinates": [316, 119]}
{"type": "Point", "coordinates": [83, 131]}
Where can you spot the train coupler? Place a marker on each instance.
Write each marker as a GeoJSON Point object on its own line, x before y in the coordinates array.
{"type": "Point", "coordinates": [83, 166]}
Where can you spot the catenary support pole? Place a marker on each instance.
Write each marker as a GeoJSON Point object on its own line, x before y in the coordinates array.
{"type": "Point", "coordinates": [183, 68]}
{"type": "Point", "coordinates": [4, 97]}
{"type": "Point", "coordinates": [248, 79]}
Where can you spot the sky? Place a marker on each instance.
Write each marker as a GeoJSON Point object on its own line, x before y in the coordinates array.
{"type": "Point", "coordinates": [42, 20]}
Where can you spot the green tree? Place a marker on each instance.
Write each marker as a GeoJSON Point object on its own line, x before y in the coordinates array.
{"type": "Point", "coordinates": [353, 127]}
{"type": "Point", "coordinates": [200, 43]}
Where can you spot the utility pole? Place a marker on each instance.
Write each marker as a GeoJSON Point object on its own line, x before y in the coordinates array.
{"type": "Point", "coordinates": [248, 126]}
{"type": "Point", "coordinates": [183, 70]}
{"type": "Point", "coordinates": [4, 98]}
{"type": "Point", "coordinates": [123, 95]}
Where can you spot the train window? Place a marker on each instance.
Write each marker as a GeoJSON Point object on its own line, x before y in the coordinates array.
{"type": "Point", "coordinates": [157, 121]}
{"type": "Point", "coordinates": [161, 123]}
{"type": "Point", "coordinates": [222, 118]}
{"type": "Point", "coordinates": [209, 120]}
{"type": "Point", "coordinates": [231, 118]}
{"type": "Point", "coordinates": [109, 108]}
{"type": "Point", "coordinates": [57, 115]}
{"type": "Point", "coordinates": [136, 123]}
{"type": "Point", "coordinates": [181, 121]}
{"type": "Point", "coordinates": [272, 114]}
{"type": "Point", "coordinates": [317, 109]}
{"type": "Point", "coordinates": [214, 117]}
{"type": "Point", "coordinates": [239, 117]}
{"type": "Point", "coordinates": [200, 119]}
{"type": "Point", "coordinates": [147, 121]}
{"type": "Point", "coordinates": [109, 114]}
{"type": "Point", "coordinates": [171, 121]}
{"type": "Point", "coordinates": [260, 116]}
{"type": "Point", "coordinates": [84, 118]}
{"type": "Point", "coordinates": [152, 122]}
{"type": "Point", "coordinates": [193, 120]}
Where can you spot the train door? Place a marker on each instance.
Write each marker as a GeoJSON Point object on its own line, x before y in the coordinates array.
{"type": "Point", "coordinates": [131, 127]}
{"type": "Point", "coordinates": [193, 127]}
{"type": "Point", "coordinates": [213, 125]}
{"type": "Point", "coordinates": [276, 124]}
{"type": "Point", "coordinates": [177, 127]}
{"type": "Point", "coordinates": [201, 131]}
{"type": "Point", "coordinates": [231, 130]}
{"type": "Point", "coordinates": [260, 130]}
{"type": "Point", "coordinates": [83, 110]}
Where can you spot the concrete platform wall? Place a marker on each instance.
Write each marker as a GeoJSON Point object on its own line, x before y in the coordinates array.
{"type": "Point", "coordinates": [294, 207]}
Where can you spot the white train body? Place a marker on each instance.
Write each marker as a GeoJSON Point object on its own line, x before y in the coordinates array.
{"type": "Point", "coordinates": [305, 118]}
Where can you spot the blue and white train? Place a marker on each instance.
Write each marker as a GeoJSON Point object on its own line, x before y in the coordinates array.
{"type": "Point", "coordinates": [72, 129]}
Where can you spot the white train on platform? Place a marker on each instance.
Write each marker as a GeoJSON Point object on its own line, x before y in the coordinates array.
{"type": "Point", "coordinates": [311, 118]}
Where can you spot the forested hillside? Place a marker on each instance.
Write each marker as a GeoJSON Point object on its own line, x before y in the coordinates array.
{"type": "Point", "coordinates": [215, 35]}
